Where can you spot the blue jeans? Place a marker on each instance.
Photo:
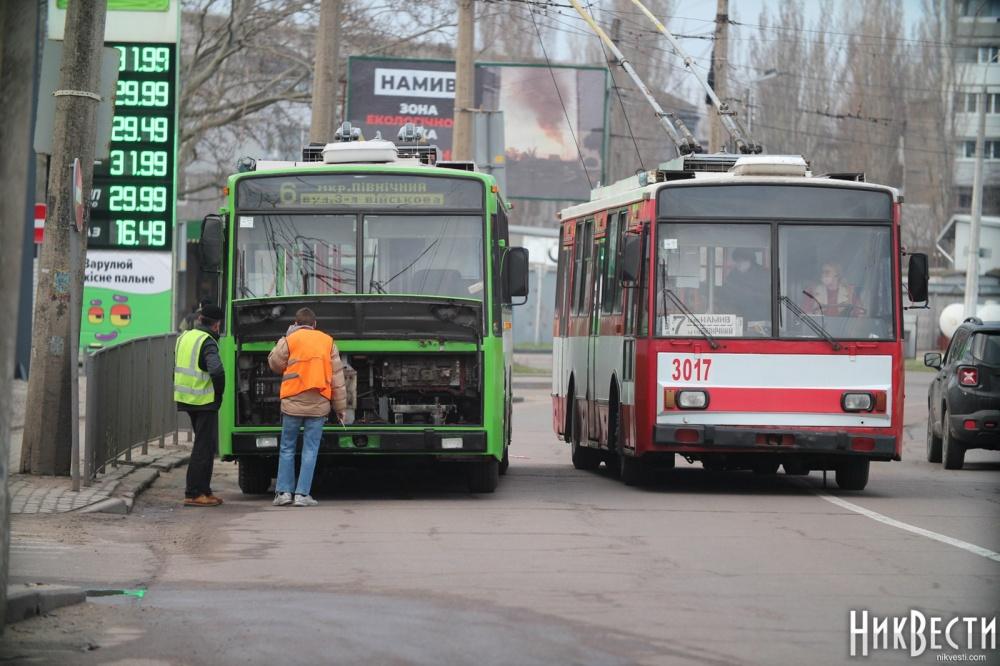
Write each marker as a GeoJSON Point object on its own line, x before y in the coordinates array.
{"type": "Point", "coordinates": [313, 431]}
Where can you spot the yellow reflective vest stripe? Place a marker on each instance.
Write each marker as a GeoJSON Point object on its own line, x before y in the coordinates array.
{"type": "Point", "coordinates": [192, 385]}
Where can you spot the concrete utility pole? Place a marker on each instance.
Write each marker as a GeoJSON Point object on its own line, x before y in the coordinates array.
{"type": "Point", "coordinates": [465, 76]}
{"type": "Point", "coordinates": [720, 63]}
{"type": "Point", "coordinates": [326, 86]}
{"type": "Point", "coordinates": [972, 261]}
{"type": "Point", "coordinates": [18, 35]}
{"type": "Point", "coordinates": [48, 427]}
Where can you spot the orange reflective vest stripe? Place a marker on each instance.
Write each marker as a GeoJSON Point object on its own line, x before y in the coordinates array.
{"type": "Point", "coordinates": [309, 366]}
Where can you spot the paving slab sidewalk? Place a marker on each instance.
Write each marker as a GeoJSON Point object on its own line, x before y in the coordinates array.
{"type": "Point", "coordinates": [114, 491]}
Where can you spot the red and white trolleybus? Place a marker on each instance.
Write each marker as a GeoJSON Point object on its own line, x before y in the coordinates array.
{"type": "Point", "coordinates": [736, 310]}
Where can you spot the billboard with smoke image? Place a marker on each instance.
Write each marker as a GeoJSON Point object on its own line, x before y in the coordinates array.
{"type": "Point", "coordinates": [554, 118]}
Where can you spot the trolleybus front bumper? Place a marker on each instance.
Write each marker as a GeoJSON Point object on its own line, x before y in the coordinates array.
{"type": "Point", "coordinates": [723, 439]}
{"type": "Point", "coordinates": [427, 441]}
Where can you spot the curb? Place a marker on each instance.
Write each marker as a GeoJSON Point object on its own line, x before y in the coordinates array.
{"type": "Point", "coordinates": [27, 601]}
{"type": "Point", "coordinates": [129, 487]}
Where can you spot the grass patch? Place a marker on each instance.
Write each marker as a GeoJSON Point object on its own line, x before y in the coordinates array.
{"type": "Point", "coordinates": [533, 347]}
{"type": "Point", "coordinates": [521, 369]}
{"type": "Point", "coordinates": [917, 365]}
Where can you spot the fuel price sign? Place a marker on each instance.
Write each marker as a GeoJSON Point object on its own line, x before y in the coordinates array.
{"type": "Point", "coordinates": [133, 197]}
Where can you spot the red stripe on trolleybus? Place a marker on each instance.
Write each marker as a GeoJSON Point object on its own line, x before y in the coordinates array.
{"type": "Point", "coordinates": [787, 400]}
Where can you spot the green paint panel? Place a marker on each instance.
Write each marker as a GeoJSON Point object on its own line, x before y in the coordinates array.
{"type": "Point", "coordinates": [129, 5]}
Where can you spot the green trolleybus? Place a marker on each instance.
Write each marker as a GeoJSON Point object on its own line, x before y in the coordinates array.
{"type": "Point", "coordinates": [405, 261]}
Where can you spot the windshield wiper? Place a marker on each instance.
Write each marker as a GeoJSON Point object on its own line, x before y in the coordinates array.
{"type": "Point", "coordinates": [691, 317]}
{"type": "Point", "coordinates": [381, 285]}
{"type": "Point", "coordinates": [811, 323]}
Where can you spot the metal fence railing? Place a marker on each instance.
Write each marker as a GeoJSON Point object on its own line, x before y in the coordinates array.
{"type": "Point", "coordinates": [129, 401]}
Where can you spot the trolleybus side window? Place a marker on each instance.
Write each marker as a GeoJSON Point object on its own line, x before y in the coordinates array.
{"type": "Point", "coordinates": [717, 273]}
{"type": "Point", "coordinates": [612, 274]}
{"type": "Point", "coordinates": [584, 241]}
{"type": "Point", "coordinates": [560, 284]}
{"type": "Point", "coordinates": [635, 305]}
{"type": "Point", "coordinates": [599, 268]}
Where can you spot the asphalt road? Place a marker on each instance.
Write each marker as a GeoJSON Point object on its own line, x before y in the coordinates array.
{"type": "Point", "coordinates": [557, 567]}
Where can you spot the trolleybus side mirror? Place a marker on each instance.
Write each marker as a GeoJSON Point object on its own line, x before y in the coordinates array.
{"type": "Point", "coordinates": [632, 258]}
{"type": "Point", "coordinates": [917, 277]}
{"type": "Point", "coordinates": [212, 243]}
{"type": "Point", "coordinates": [516, 272]}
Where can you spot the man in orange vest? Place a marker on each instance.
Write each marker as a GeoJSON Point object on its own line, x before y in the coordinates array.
{"type": "Point", "coordinates": [312, 377]}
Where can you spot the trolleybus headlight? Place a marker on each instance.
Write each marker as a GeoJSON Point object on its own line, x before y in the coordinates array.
{"type": "Point", "coordinates": [267, 442]}
{"type": "Point", "coordinates": [692, 399]}
{"type": "Point", "coordinates": [857, 402]}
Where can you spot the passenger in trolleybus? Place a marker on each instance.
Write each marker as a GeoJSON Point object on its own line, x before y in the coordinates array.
{"type": "Point", "coordinates": [714, 277]}
{"type": "Point", "coordinates": [747, 289]}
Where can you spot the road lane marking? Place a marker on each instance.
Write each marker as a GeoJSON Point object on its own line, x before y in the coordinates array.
{"type": "Point", "coordinates": [874, 515]}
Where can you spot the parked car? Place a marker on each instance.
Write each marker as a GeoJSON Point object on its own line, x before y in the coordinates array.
{"type": "Point", "coordinates": [963, 403]}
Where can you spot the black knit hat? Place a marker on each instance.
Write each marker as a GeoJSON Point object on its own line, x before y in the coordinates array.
{"type": "Point", "coordinates": [212, 312]}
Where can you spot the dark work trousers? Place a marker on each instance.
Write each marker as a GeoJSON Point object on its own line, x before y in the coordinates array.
{"type": "Point", "coordinates": [205, 424]}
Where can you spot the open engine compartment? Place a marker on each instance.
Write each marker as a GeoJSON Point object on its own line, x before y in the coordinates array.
{"type": "Point", "coordinates": [383, 389]}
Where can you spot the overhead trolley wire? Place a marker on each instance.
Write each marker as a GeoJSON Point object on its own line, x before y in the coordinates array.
{"type": "Point", "coordinates": [555, 84]}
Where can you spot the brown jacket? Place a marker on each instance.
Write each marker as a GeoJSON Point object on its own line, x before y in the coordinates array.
{"type": "Point", "coordinates": [310, 403]}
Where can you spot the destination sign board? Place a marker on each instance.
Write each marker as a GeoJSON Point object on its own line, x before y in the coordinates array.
{"type": "Point", "coordinates": [359, 191]}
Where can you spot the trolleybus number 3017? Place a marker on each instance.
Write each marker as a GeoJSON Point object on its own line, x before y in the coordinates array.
{"type": "Point", "coordinates": [688, 370]}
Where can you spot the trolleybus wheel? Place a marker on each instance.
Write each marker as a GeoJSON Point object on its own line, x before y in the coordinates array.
{"type": "Point", "coordinates": [583, 457]}
{"type": "Point", "coordinates": [254, 475]}
{"type": "Point", "coordinates": [853, 474]}
{"type": "Point", "coordinates": [507, 437]}
{"type": "Point", "coordinates": [484, 475]}
{"type": "Point", "coordinates": [631, 470]}
{"type": "Point", "coordinates": [952, 452]}
{"type": "Point", "coordinates": [933, 444]}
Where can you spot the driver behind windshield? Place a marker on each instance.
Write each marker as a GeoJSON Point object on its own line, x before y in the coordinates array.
{"type": "Point", "coordinates": [832, 296]}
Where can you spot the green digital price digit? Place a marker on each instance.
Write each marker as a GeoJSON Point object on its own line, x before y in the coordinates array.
{"type": "Point", "coordinates": [154, 93]}
{"type": "Point", "coordinates": [144, 59]}
{"type": "Point", "coordinates": [138, 163]}
{"type": "Point", "coordinates": [154, 129]}
{"type": "Point", "coordinates": [126, 232]}
{"type": "Point", "coordinates": [122, 198]}
{"type": "Point", "coordinates": [142, 93]}
{"type": "Point", "coordinates": [152, 199]}
{"type": "Point", "coordinates": [154, 232]}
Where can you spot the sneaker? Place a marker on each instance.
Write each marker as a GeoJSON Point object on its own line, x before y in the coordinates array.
{"type": "Point", "coordinates": [305, 500]}
{"type": "Point", "coordinates": [282, 499]}
{"type": "Point", "coordinates": [202, 500]}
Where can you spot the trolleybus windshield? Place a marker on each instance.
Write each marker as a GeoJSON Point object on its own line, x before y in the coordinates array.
{"type": "Point", "coordinates": [360, 234]}
{"type": "Point", "coordinates": [772, 269]}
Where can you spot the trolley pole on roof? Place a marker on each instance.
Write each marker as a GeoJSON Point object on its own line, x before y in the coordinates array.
{"type": "Point", "coordinates": [685, 145]}
{"type": "Point", "coordinates": [724, 114]}
{"type": "Point", "coordinates": [972, 260]}
{"type": "Point", "coordinates": [465, 73]}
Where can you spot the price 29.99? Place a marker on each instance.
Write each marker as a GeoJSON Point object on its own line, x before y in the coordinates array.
{"type": "Point", "coordinates": [135, 198]}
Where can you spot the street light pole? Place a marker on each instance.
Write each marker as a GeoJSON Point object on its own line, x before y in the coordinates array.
{"type": "Point", "coordinates": [768, 74]}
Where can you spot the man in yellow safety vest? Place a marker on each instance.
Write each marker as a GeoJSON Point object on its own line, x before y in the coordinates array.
{"type": "Point", "coordinates": [199, 381]}
{"type": "Point", "coordinates": [312, 377]}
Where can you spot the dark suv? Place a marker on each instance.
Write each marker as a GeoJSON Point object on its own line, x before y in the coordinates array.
{"type": "Point", "coordinates": [963, 404]}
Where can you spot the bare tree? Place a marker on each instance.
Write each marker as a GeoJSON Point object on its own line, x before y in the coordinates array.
{"type": "Point", "coordinates": [247, 75]}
